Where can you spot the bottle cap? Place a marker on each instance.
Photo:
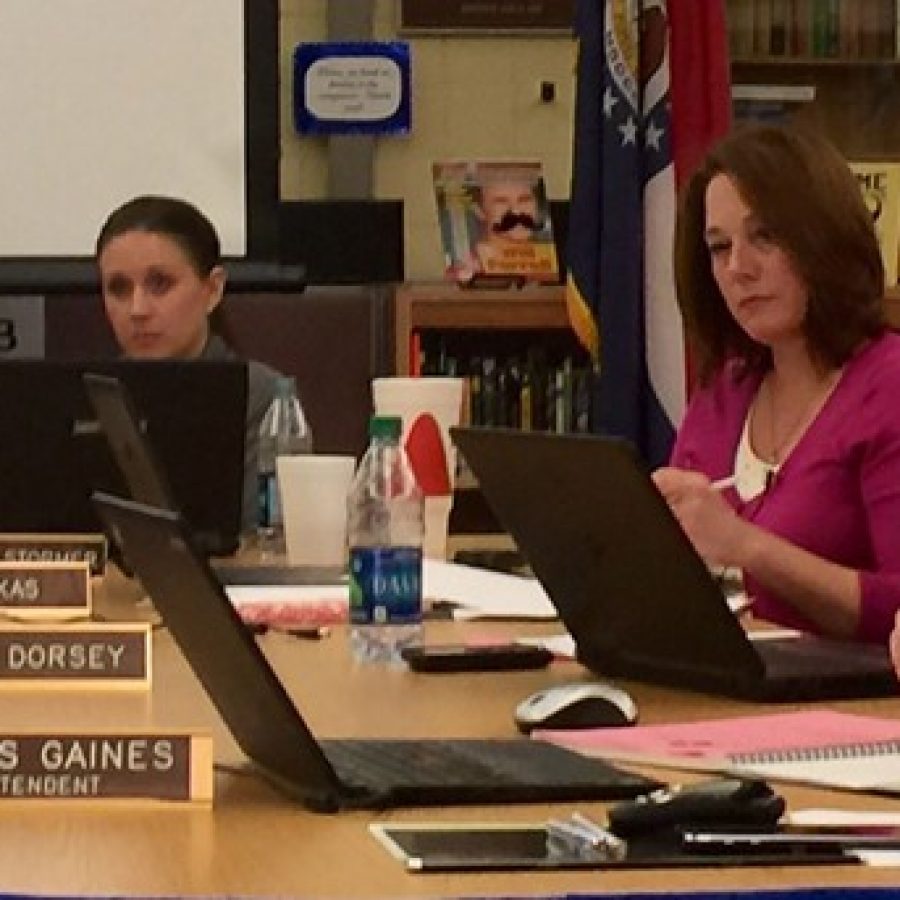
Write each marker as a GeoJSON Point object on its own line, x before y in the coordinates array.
{"type": "Point", "coordinates": [385, 427]}
{"type": "Point", "coordinates": [285, 386]}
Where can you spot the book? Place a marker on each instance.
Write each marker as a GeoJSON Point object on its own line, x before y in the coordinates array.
{"type": "Point", "coordinates": [823, 747]}
{"type": "Point", "coordinates": [800, 30]}
{"type": "Point", "coordinates": [741, 27]}
{"type": "Point", "coordinates": [494, 220]}
{"type": "Point", "coordinates": [849, 30]}
{"type": "Point", "coordinates": [772, 103]}
{"type": "Point", "coordinates": [880, 186]}
{"type": "Point", "coordinates": [778, 34]}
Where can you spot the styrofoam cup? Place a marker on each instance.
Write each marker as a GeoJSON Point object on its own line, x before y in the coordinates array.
{"type": "Point", "coordinates": [313, 490]}
{"type": "Point", "coordinates": [409, 397]}
{"type": "Point", "coordinates": [437, 522]}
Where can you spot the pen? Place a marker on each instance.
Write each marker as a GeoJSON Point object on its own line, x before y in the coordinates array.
{"type": "Point", "coordinates": [722, 484]}
{"type": "Point", "coordinates": [309, 632]}
{"type": "Point", "coordinates": [304, 632]}
{"type": "Point", "coordinates": [781, 841]}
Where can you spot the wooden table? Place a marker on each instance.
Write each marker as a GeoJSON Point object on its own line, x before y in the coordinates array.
{"type": "Point", "coordinates": [255, 842]}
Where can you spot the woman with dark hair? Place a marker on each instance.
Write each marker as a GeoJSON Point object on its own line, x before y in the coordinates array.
{"type": "Point", "coordinates": [162, 282]}
{"type": "Point", "coordinates": [787, 463]}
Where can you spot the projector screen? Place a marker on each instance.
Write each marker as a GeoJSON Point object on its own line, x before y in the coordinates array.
{"type": "Point", "coordinates": [102, 100]}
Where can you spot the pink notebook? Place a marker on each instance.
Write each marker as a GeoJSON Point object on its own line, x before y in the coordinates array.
{"type": "Point", "coordinates": [743, 741]}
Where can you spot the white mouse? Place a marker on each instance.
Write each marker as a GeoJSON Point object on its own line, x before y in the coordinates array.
{"type": "Point", "coordinates": [583, 704]}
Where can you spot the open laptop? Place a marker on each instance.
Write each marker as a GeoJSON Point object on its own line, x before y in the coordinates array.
{"type": "Point", "coordinates": [637, 598]}
{"type": "Point", "coordinates": [147, 483]}
{"type": "Point", "coordinates": [52, 453]}
{"type": "Point", "coordinates": [329, 775]}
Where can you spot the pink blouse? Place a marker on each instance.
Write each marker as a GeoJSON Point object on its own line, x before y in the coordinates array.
{"type": "Point", "coordinates": [836, 495]}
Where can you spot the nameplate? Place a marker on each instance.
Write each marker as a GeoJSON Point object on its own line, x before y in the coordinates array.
{"type": "Point", "coordinates": [40, 548]}
{"type": "Point", "coordinates": [83, 657]}
{"type": "Point", "coordinates": [48, 590]}
{"type": "Point", "coordinates": [119, 765]}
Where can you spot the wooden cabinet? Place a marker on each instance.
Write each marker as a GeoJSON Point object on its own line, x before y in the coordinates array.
{"type": "Point", "coordinates": [445, 306]}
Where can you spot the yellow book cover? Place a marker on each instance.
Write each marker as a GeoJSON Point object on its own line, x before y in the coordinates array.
{"type": "Point", "coordinates": [494, 218]}
{"type": "Point", "coordinates": [880, 186]}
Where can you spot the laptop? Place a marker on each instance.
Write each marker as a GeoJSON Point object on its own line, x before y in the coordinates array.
{"type": "Point", "coordinates": [52, 453]}
{"type": "Point", "coordinates": [329, 775]}
{"type": "Point", "coordinates": [626, 581]}
{"type": "Point", "coordinates": [119, 421]}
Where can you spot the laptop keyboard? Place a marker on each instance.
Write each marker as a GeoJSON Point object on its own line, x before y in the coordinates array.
{"type": "Point", "coordinates": [481, 764]}
{"type": "Point", "coordinates": [806, 656]}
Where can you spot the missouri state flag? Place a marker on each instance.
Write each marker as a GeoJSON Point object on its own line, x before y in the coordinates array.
{"type": "Point", "coordinates": [652, 93]}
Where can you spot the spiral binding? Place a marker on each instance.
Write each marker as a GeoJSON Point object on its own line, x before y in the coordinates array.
{"type": "Point", "coordinates": [815, 754]}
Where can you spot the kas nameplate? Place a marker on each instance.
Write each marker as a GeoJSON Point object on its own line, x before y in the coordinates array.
{"type": "Point", "coordinates": [45, 590]}
{"type": "Point", "coordinates": [106, 766]}
{"type": "Point", "coordinates": [92, 656]}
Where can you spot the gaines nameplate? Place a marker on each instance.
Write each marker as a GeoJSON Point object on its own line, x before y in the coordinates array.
{"type": "Point", "coordinates": [43, 548]}
{"type": "Point", "coordinates": [95, 655]}
{"type": "Point", "coordinates": [45, 590]}
{"type": "Point", "coordinates": [106, 766]}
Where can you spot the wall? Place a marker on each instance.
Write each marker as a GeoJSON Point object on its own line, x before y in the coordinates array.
{"type": "Point", "coordinates": [472, 97]}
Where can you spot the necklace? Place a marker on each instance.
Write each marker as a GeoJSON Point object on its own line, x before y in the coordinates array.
{"type": "Point", "coordinates": [782, 438]}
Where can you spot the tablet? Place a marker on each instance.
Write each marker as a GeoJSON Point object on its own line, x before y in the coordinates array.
{"type": "Point", "coordinates": [476, 847]}
{"type": "Point", "coordinates": [452, 847]}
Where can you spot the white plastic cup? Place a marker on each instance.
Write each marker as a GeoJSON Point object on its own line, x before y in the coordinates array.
{"type": "Point", "coordinates": [313, 490]}
{"type": "Point", "coordinates": [410, 397]}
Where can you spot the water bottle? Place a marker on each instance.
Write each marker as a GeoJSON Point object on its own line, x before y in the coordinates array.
{"type": "Point", "coordinates": [385, 528]}
{"type": "Point", "coordinates": [283, 431]}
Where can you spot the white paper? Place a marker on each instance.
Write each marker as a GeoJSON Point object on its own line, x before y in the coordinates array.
{"type": "Point", "coordinates": [249, 594]}
{"type": "Point", "coordinates": [879, 859]}
{"type": "Point", "coordinates": [772, 634]}
{"type": "Point", "coordinates": [561, 646]}
{"type": "Point", "coordinates": [485, 594]}
{"type": "Point", "coordinates": [478, 593]}
{"type": "Point", "coordinates": [841, 817]}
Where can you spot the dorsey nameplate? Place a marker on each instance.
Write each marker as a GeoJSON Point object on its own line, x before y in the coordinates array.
{"type": "Point", "coordinates": [95, 655]}
{"type": "Point", "coordinates": [174, 767]}
{"type": "Point", "coordinates": [50, 590]}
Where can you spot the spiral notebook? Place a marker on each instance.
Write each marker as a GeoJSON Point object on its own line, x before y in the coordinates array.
{"type": "Point", "coordinates": [824, 747]}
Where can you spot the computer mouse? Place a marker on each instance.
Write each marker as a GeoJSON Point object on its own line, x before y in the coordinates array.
{"type": "Point", "coordinates": [583, 704]}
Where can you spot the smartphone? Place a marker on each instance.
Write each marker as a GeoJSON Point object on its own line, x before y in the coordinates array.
{"type": "Point", "coordinates": [475, 658]}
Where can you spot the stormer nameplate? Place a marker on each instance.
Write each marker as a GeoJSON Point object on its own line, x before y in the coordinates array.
{"type": "Point", "coordinates": [40, 548]}
{"type": "Point", "coordinates": [46, 590]}
{"type": "Point", "coordinates": [91, 656]}
{"type": "Point", "coordinates": [120, 766]}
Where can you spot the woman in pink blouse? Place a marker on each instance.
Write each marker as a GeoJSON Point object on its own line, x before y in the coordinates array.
{"type": "Point", "coordinates": [780, 282]}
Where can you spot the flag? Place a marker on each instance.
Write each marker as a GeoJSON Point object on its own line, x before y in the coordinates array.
{"type": "Point", "coordinates": [652, 94]}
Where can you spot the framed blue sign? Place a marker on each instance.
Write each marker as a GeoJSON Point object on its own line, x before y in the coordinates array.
{"type": "Point", "coordinates": [358, 87]}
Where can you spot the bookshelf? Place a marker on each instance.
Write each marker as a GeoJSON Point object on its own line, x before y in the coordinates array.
{"type": "Point", "coordinates": [843, 54]}
{"type": "Point", "coordinates": [444, 306]}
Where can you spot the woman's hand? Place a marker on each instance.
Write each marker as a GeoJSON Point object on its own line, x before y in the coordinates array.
{"type": "Point", "coordinates": [894, 644]}
{"type": "Point", "coordinates": [711, 524]}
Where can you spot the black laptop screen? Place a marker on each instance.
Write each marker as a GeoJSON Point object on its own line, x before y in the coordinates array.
{"type": "Point", "coordinates": [53, 454]}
